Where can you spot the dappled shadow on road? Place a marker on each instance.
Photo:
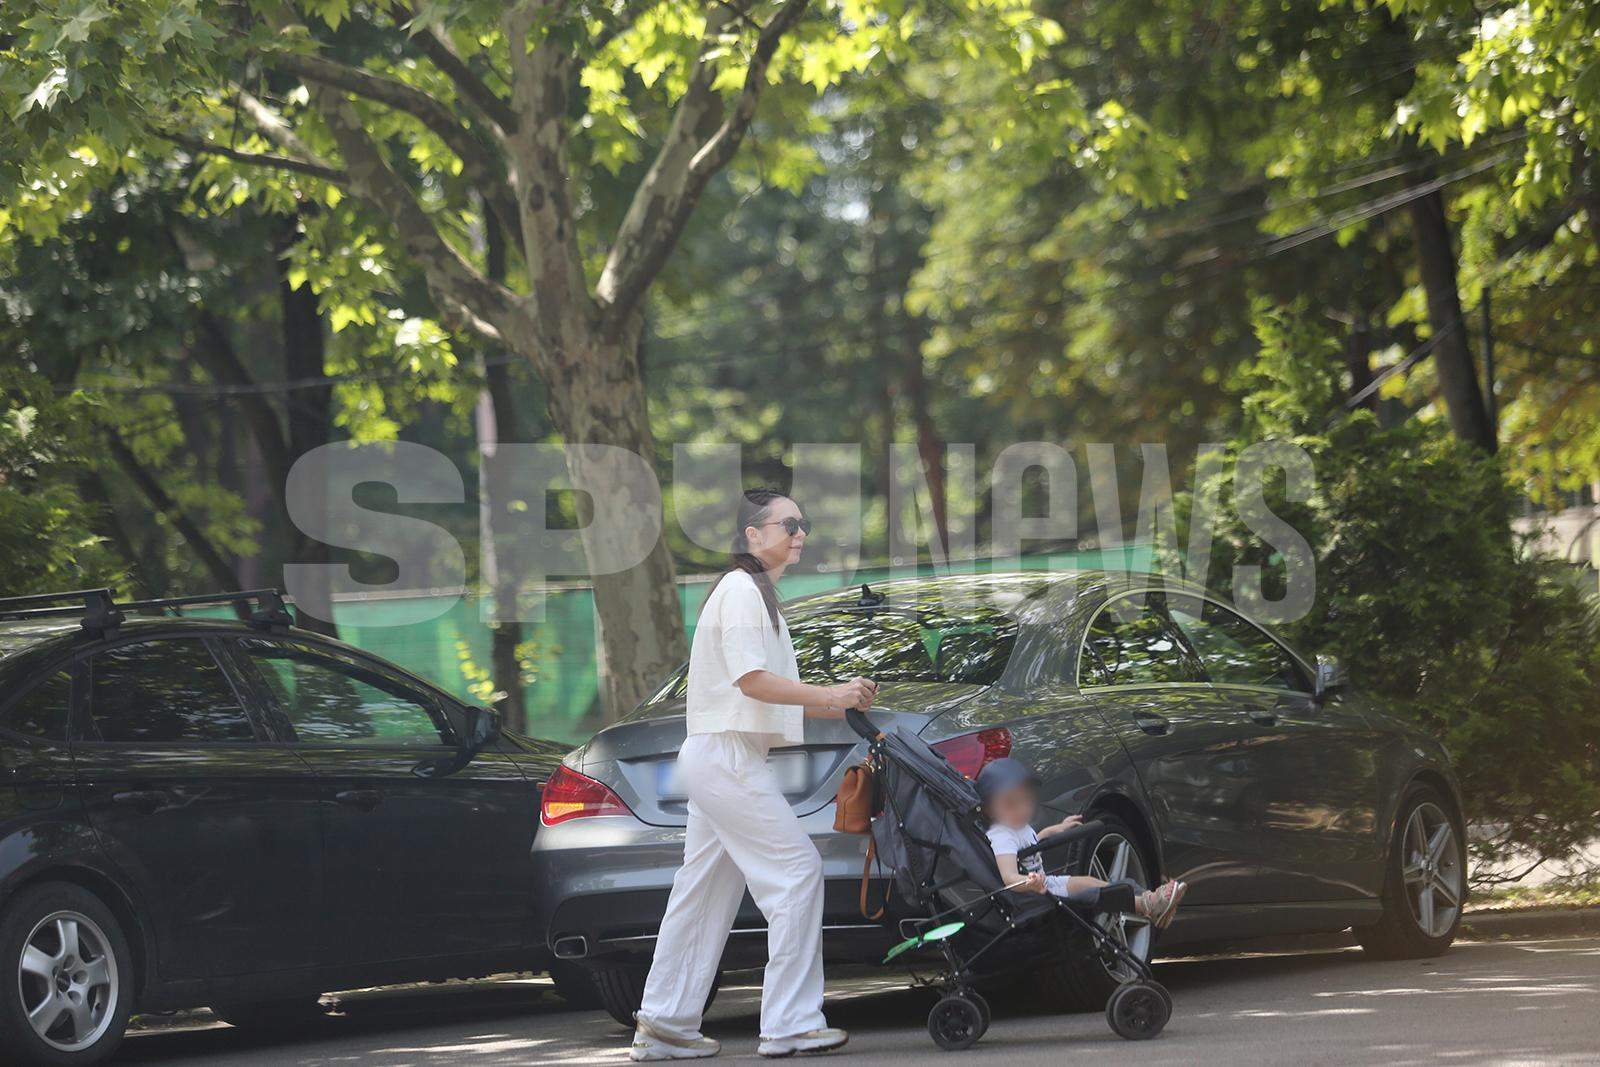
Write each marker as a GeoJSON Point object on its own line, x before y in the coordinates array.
{"type": "Point", "coordinates": [371, 1019]}
{"type": "Point", "coordinates": [1475, 1004]}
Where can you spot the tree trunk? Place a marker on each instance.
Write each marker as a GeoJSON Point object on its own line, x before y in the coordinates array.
{"type": "Point", "coordinates": [310, 409]}
{"type": "Point", "coordinates": [930, 446]}
{"type": "Point", "coordinates": [497, 422]}
{"type": "Point", "coordinates": [884, 362]}
{"type": "Point", "coordinates": [1452, 355]}
{"type": "Point", "coordinates": [1358, 361]}
{"type": "Point", "coordinates": [599, 399]}
{"type": "Point", "coordinates": [1588, 183]}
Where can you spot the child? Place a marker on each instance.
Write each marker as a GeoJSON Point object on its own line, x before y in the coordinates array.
{"type": "Point", "coordinates": [1007, 789]}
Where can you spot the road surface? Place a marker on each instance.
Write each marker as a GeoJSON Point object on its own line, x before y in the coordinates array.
{"type": "Point", "coordinates": [1522, 1002]}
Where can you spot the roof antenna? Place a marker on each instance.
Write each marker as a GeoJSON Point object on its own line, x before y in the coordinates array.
{"type": "Point", "coordinates": [869, 598]}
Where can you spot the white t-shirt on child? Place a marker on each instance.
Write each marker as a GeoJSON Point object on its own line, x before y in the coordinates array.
{"type": "Point", "coordinates": [1009, 841]}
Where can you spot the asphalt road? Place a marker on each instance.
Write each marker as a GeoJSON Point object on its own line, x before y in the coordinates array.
{"type": "Point", "coordinates": [1521, 1002]}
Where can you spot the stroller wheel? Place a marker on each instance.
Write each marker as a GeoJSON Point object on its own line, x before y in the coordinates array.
{"type": "Point", "coordinates": [983, 1008]}
{"type": "Point", "coordinates": [1138, 1010]}
{"type": "Point", "coordinates": [955, 1023]}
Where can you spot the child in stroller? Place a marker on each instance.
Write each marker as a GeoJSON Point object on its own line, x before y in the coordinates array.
{"type": "Point", "coordinates": [1009, 802]}
{"type": "Point", "coordinates": [948, 899]}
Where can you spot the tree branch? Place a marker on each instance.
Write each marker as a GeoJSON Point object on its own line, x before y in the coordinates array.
{"type": "Point", "coordinates": [273, 126]}
{"type": "Point", "coordinates": [700, 141]}
{"type": "Point", "coordinates": [465, 294]}
{"type": "Point", "coordinates": [483, 168]}
{"type": "Point", "coordinates": [473, 89]}
{"type": "Point", "coordinates": [200, 146]}
{"type": "Point", "coordinates": [210, 555]}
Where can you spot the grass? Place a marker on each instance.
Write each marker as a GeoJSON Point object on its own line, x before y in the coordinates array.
{"type": "Point", "coordinates": [1552, 895]}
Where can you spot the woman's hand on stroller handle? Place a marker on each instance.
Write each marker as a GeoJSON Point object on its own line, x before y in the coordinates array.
{"type": "Point", "coordinates": [857, 693]}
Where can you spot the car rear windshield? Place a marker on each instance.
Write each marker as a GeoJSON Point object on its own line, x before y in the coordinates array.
{"type": "Point", "coordinates": [888, 644]}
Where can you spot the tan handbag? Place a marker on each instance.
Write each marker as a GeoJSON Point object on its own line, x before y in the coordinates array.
{"type": "Point", "coordinates": [853, 805]}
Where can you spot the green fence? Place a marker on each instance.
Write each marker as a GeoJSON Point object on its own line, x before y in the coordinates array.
{"type": "Point", "coordinates": [453, 650]}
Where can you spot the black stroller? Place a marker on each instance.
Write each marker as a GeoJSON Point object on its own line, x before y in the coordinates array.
{"type": "Point", "coordinates": [929, 834]}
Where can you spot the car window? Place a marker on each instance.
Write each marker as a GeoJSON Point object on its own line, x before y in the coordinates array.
{"type": "Point", "coordinates": [162, 692]}
{"type": "Point", "coordinates": [904, 645]}
{"type": "Point", "coordinates": [887, 644]}
{"type": "Point", "coordinates": [1132, 641]}
{"type": "Point", "coordinates": [42, 710]}
{"type": "Point", "coordinates": [332, 698]}
{"type": "Point", "coordinates": [1233, 650]}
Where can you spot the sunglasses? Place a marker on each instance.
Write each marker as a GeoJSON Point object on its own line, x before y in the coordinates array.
{"type": "Point", "coordinates": [792, 526]}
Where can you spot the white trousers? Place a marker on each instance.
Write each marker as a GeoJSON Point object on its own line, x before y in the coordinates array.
{"type": "Point", "coordinates": [741, 832]}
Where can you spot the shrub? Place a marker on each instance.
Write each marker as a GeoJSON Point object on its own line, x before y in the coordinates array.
{"type": "Point", "coordinates": [1439, 609]}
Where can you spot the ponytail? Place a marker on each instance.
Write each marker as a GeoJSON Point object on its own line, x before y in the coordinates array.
{"type": "Point", "coordinates": [754, 506]}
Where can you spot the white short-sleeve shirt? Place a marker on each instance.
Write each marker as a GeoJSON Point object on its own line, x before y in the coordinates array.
{"type": "Point", "coordinates": [1009, 841]}
{"type": "Point", "coordinates": [733, 637]}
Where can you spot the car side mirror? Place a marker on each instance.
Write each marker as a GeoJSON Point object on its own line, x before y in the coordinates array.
{"type": "Point", "coordinates": [1331, 678]}
{"type": "Point", "coordinates": [483, 729]}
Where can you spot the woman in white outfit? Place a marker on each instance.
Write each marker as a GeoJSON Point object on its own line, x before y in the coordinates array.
{"type": "Point", "coordinates": [744, 697]}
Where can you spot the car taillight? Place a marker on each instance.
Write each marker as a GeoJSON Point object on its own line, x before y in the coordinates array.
{"type": "Point", "coordinates": [970, 753]}
{"type": "Point", "coordinates": [570, 795]}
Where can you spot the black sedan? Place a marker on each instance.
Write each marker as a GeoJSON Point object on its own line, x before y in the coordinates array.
{"type": "Point", "coordinates": [242, 815]}
{"type": "Point", "coordinates": [1210, 751]}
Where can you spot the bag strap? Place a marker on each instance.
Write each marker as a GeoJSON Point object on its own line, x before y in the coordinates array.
{"type": "Point", "coordinates": [866, 872]}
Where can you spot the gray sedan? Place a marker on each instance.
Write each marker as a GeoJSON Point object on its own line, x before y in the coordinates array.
{"type": "Point", "coordinates": [1208, 749]}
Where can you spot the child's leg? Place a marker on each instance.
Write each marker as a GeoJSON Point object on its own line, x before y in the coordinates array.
{"type": "Point", "coordinates": [1092, 893]}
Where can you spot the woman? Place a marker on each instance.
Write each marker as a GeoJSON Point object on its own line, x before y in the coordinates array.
{"type": "Point", "coordinates": [744, 697]}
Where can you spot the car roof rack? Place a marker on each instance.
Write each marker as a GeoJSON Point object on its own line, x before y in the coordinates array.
{"type": "Point", "coordinates": [100, 613]}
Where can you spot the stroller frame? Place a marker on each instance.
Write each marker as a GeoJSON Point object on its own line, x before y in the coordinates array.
{"type": "Point", "coordinates": [1137, 1009]}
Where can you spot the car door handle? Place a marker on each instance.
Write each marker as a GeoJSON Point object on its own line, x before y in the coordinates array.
{"type": "Point", "coordinates": [364, 799]}
{"type": "Point", "coordinates": [1151, 723]}
{"type": "Point", "coordinates": [146, 800]}
{"type": "Point", "coordinates": [1268, 717]}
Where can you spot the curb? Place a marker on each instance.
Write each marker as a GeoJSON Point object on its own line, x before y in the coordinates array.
{"type": "Point", "coordinates": [1511, 923]}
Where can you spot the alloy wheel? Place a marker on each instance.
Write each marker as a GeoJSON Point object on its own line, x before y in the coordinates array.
{"type": "Point", "coordinates": [67, 978]}
{"type": "Point", "coordinates": [1431, 868]}
{"type": "Point", "coordinates": [1115, 857]}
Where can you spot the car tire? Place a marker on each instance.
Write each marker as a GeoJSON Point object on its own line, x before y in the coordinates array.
{"type": "Point", "coordinates": [1418, 922]}
{"type": "Point", "coordinates": [1082, 982]}
{"type": "Point", "coordinates": [91, 974]}
{"type": "Point", "coordinates": [575, 984]}
{"type": "Point", "coordinates": [284, 1013]}
{"type": "Point", "coordinates": [620, 987]}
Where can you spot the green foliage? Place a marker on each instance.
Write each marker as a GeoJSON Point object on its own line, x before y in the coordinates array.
{"type": "Point", "coordinates": [1441, 616]}
{"type": "Point", "coordinates": [47, 535]}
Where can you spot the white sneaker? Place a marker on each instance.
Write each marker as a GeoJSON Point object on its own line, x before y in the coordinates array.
{"type": "Point", "coordinates": [651, 1044]}
{"type": "Point", "coordinates": [824, 1040]}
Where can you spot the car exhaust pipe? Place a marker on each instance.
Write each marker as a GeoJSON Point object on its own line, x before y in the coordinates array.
{"type": "Point", "coordinates": [571, 947]}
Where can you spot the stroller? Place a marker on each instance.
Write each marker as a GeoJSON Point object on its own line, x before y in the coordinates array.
{"type": "Point", "coordinates": [929, 834]}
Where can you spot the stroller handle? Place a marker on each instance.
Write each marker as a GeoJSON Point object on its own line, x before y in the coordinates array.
{"type": "Point", "coordinates": [1065, 837]}
{"type": "Point", "coordinates": [860, 723]}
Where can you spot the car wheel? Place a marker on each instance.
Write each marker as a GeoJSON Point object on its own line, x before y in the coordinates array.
{"type": "Point", "coordinates": [620, 987]}
{"type": "Point", "coordinates": [575, 984]}
{"type": "Point", "coordinates": [1084, 981]}
{"type": "Point", "coordinates": [1425, 886]}
{"type": "Point", "coordinates": [280, 1014]}
{"type": "Point", "coordinates": [71, 989]}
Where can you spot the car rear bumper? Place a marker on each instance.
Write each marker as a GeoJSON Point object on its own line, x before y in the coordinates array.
{"type": "Point", "coordinates": [605, 881]}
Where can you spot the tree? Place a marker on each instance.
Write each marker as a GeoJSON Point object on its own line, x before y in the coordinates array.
{"type": "Point", "coordinates": [542, 106]}
{"type": "Point", "coordinates": [1446, 620]}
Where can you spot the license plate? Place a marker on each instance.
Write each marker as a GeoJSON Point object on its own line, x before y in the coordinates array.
{"type": "Point", "coordinates": [792, 769]}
